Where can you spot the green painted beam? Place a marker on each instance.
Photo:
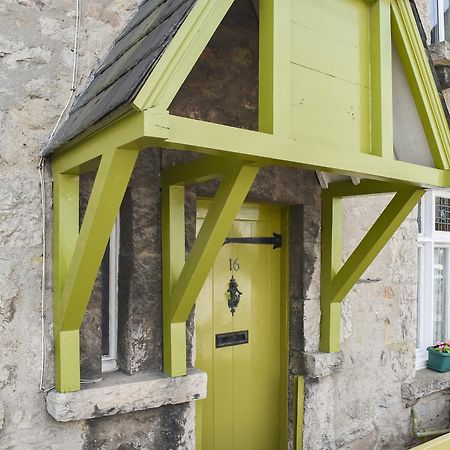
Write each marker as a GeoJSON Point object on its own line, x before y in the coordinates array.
{"type": "Point", "coordinates": [67, 360]}
{"type": "Point", "coordinates": [226, 204]}
{"type": "Point", "coordinates": [300, 404]}
{"type": "Point", "coordinates": [182, 281]}
{"type": "Point", "coordinates": [421, 81]}
{"type": "Point", "coordinates": [376, 238]}
{"type": "Point", "coordinates": [365, 187]}
{"type": "Point", "coordinates": [65, 235]}
{"type": "Point", "coordinates": [440, 443]}
{"type": "Point", "coordinates": [84, 154]}
{"type": "Point", "coordinates": [382, 141]}
{"type": "Point", "coordinates": [337, 279]}
{"type": "Point", "coordinates": [78, 254]}
{"type": "Point", "coordinates": [103, 206]}
{"type": "Point", "coordinates": [225, 141]}
{"type": "Point", "coordinates": [181, 55]}
{"type": "Point", "coordinates": [173, 259]}
{"type": "Point", "coordinates": [199, 170]}
{"type": "Point", "coordinates": [66, 190]}
{"type": "Point", "coordinates": [274, 67]}
{"type": "Point", "coordinates": [331, 257]}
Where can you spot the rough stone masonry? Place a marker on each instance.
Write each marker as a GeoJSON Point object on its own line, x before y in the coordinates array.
{"type": "Point", "coordinates": [352, 401]}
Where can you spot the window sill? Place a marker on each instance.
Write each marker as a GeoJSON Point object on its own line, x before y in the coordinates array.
{"type": "Point", "coordinates": [426, 382]}
{"type": "Point", "coordinates": [118, 393]}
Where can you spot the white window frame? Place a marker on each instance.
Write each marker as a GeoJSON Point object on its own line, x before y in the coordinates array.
{"type": "Point", "coordinates": [440, 21]}
{"type": "Point", "coordinates": [427, 241]}
{"type": "Point", "coordinates": [109, 362]}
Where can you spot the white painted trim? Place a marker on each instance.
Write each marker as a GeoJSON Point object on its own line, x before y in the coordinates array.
{"type": "Point", "coordinates": [427, 241]}
{"type": "Point", "coordinates": [109, 362]}
{"type": "Point", "coordinates": [440, 11]}
{"type": "Point", "coordinates": [440, 20]}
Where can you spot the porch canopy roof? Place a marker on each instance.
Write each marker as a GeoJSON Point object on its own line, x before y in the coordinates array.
{"type": "Point", "coordinates": [345, 87]}
{"type": "Point", "coordinates": [359, 98]}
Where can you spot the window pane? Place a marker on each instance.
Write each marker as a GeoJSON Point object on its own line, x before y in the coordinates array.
{"type": "Point", "coordinates": [447, 19]}
{"type": "Point", "coordinates": [440, 293]}
{"type": "Point", "coordinates": [442, 214]}
{"type": "Point", "coordinates": [434, 21]}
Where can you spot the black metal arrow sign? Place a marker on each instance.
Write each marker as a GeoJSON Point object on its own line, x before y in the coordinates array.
{"type": "Point", "coordinates": [275, 241]}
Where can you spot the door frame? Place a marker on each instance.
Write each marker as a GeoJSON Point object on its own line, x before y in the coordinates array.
{"type": "Point", "coordinates": [284, 211]}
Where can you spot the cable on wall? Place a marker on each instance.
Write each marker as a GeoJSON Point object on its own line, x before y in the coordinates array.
{"type": "Point", "coordinates": [43, 193]}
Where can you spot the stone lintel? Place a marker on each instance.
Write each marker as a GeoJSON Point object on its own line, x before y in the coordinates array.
{"type": "Point", "coordinates": [119, 393]}
{"type": "Point", "coordinates": [321, 364]}
{"type": "Point", "coordinates": [426, 382]}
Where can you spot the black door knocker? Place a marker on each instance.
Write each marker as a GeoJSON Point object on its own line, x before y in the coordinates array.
{"type": "Point", "coordinates": [235, 295]}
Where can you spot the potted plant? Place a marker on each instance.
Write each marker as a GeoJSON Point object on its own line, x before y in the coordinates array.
{"type": "Point", "coordinates": [439, 356]}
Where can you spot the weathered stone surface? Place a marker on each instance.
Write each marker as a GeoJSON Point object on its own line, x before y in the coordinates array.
{"type": "Point", "coordinates": [167, 428]}
{"type": "Point", "coordinates": [426, 382]}
{"type": "Point", "coordinates": [140, 303]}
{"type": "Point", "coordinates": [360, 407]}
{"type": "Point", "coordinates": [2, 415]}
{"type": "Point", "coordinates": [119, 393]}
{"type": "Point", "coordinates": [440, 53]}
{"type": "Point", "coordinates": [319, 364]}
{"type": "Point", "coordinates": [91, 328]}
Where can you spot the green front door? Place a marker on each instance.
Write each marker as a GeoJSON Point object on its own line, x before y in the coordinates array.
{"type": "Point", "coordinates": [242, 408]}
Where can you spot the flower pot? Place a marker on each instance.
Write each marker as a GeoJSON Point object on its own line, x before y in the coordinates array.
{"type": "Point", "coordinates": [438, 361]}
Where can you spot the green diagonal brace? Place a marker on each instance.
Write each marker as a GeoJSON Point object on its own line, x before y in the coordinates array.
{"type": "Point", "coordinates": [182, 288]}
{"type": "Point", "coordinates": [336, 283]}
{"type": "Point", "coordinates": [75, 288]}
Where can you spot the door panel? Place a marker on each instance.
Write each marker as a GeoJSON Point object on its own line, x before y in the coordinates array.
{"type": "Point", "coordinates": [242, 408]}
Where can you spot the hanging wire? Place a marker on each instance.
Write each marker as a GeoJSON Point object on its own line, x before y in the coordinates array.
{"type": "Point", "coordinates": [43, 279]}
{"type": "Point", "coordinates": [73, 87]}
{"type": "Point", "coordinates": [43, 195]}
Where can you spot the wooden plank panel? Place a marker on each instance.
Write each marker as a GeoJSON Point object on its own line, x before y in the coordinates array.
{"type": "Point", "coordinates": [330, 111]}
{"type": "Point", "coordinates": [260, 395]}
{"type": "Point", "coordinates": [342, 20]}
{"type": "Point", "coordinates": [243, 377]}
{"type": "Point", "coordinates": [223, 360]}
{"type": "Point", "coordinates": [323, 53]}
{"type": "Point", "coordinates": [272, 224]}
{"type": "Point", "coordinates": [205, 348]}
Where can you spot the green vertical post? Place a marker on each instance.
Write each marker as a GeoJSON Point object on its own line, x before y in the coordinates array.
{"type": "Point", "coordinates": [332, 224]}
{"type": "Point", "coordinates": [184, 280]}
{"type": "Point", "coordinates": [381, 79]}
{"type": "Point", "coordinates": [78, 255]}
{"type": "Point", "coordinates": [173, 245]}
{"type": "Point", "coordinates": [300, 395]}
{"type": "Point", "coordinates": [274, 67]}
{"type": "Point", "coordinates": [65, 235]}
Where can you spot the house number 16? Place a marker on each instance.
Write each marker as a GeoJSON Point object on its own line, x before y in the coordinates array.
{"type": "Point", "coordinates": [234, 264]}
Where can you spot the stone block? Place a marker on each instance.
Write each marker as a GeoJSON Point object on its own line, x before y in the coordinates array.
{"type": "Point", "coordinates": [440, 53]}
{"type": "Point", "coordinates": [318, 365]}
{"type": "Point", "coordinates": [443, 73]}
{"type": "Point", "coordinates": [118, 393]}
{"type": "Point", "coordinates": [425, 383]}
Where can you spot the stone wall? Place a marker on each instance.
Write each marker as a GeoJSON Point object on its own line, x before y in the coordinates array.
{"type": "Point", "coordinates": [353, 400]}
